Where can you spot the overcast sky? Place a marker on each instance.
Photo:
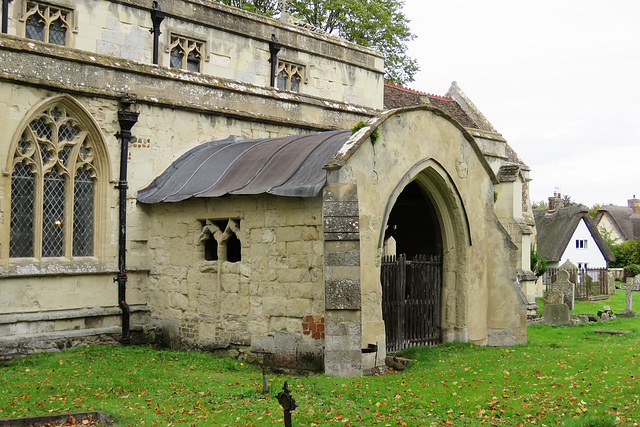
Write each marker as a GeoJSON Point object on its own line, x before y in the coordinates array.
{"type": "Point", "coordinates": [560, 79]}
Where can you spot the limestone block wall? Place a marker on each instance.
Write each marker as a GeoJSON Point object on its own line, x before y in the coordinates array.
{"type": "Point", "coordinates": [481, 300]}
{"type": "Point", "coordinates": [270, 302]}
{"type": "Point", "coordinates": [166, 128]}
{"type": "Point", "coordinates": [234, 44]}
{"type": "Point", "coordinates": [343, 293]}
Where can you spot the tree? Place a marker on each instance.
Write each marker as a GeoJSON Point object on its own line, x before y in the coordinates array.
{"type": "Point", "coordinates": [542, 204]}
{"type": "Point", "coordinates": [593, 210]}
{"type": "Point", "coordinates": [379, 24]}
{"type": "Point", "coordinates": [538, 264]}
{"type": "Point", "coordinates": [566, 200]}
{"type": "Point", "coordinates": [626, 253]}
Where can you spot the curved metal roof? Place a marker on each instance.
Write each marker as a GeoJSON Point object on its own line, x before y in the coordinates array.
{"type": "Point", "coordinates": [285, 166]}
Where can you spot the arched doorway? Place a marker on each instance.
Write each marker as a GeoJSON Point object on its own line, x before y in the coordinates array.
{"type": "Point", "coordinates": [411, 273]}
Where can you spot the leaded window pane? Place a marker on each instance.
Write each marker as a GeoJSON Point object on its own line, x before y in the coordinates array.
{"type": "Point", "coordinates": [176, 58]}
{"type": "Point", "coordinates": [83, 192]}
{"type": "Point", "coordinates": [53, 214]}
{"type": "Point", "coordinates": [67, 132]}
{"type": "Point", "coordinates": [295, 83]}
{"type": "Point", "coordinates": [57, 33]}
{"type": "Point", "coordinates": [35, 28]}
{"type": "Point", "coordinates": [22, 211]}
{"type": "Point", "coordinates": [282, 80]}
{"type": "Point", "coordinates": [64, 154]}
{"type": "Point", "coordinates": [193, 62]}
{"type": "Point", "coordinates": [42, 128]}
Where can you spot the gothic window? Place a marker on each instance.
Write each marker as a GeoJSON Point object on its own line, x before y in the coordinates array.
{"type": "Point", "coordinates": [290, 76]}
{"type": "Point", "coordinates": [186, 54]}
{"type": "Point", "coordinates": [221, 240]}
{"type": "Point", "coordinates": [53, 184]}
{"type": "Point", "coordinates": [46, 23]}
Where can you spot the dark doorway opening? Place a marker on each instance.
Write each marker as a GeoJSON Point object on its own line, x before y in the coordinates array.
{"type": "Point", "coordinates": [411, 273]}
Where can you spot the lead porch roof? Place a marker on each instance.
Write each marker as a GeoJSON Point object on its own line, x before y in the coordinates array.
{"type": "Point", "coordinates": [284, 166]}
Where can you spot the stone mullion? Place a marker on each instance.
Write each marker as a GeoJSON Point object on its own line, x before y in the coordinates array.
{"type": "Point", "coordinates": [72, 168]}
{"type": "Point", "coordinates": [38, 206]}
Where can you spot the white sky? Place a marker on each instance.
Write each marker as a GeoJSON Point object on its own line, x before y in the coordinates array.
{"type": "Point", "coordinates": [560, 79]}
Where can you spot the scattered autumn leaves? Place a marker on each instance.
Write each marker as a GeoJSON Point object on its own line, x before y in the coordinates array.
{"type": "Point", "coordinates": [564, 375]}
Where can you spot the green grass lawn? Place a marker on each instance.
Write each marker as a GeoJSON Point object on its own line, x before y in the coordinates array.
{"type": "Point", "coordinates": [564, 375]}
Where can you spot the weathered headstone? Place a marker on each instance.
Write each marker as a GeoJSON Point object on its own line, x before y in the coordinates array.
{"type": "Point", "coordinates": [564, 285]}
{"type": "Point", "coordinates": [557, 314]}
{"type": "Point", "coordinates": [611, 283]}
{"type": "Point", "coordinates": [628, 302]}
{"type": "Point", "coordinates": [557, 299]}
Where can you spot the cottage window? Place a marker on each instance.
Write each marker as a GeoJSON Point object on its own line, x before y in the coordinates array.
{"type": "Point", "coordinates": [581, 244]}
{"type": "Point", "coordinates": [290, 76]}
{"type": "Point", "coordinates": [53, 184]}
{"type": "Point", "coordinates": [221, 240]}
{"type": "Point", "coordinates": [186, 54]}
{"type": "Point", "coordinates": [46, 23]}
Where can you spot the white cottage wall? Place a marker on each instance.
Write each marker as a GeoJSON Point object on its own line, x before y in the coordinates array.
{"type": "Point", "coordinates": [591, 256]}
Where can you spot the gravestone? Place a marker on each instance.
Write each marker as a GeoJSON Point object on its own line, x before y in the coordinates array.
{"type": "Point", "coordinates": [558, 300]}
{"type": "Point", "coordinates": [564, 285]}
{"type": "Point", "coordinates": [628, 302]}
{"type": "Point", "coordinates": [611, 283]}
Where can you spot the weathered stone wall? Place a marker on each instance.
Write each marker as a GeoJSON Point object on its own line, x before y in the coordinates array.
{"type": "Point", "coordinates": [236, 44]}
{"type": "Point", "coordinates": [178, 110]}
{"type": "Point", "coordinates": [261, 303]}
{"type": "Point", "coordinates": [481, 300]}
{"type": "Point", "coordinates": [343, 293]}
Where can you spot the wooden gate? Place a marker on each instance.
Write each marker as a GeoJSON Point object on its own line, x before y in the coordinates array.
{"type": "Point", "coordinates": [411, 300]}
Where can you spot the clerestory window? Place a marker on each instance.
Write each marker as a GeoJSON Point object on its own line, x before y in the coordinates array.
{"type": "Point", "coordinates": [290, 76]}
{"type": "Point", "coordinates": [186, 53]}
{"type": "Point", "coordinates": [53, 185]}
{"type": "Point", "coordinates": [47, 23]}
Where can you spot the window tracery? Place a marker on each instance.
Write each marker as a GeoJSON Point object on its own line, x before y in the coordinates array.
{"type": "Point", "coordinates": [290, 76]}
{"type": "Point", "coordinates": [186, 53]}
{"type": "Point", "coordinates": [47, 23]}
{"type": "Point", "coordinates": [53, 183]}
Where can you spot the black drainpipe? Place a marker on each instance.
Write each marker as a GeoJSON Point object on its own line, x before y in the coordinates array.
{"type": "Point", "coordinates": [126, 118]}
{"type": "Point", "coordinates": [5, 15]}
{"type": "Point", "coordinates": [157, 16]}
{"type": "Point", "coordinates": [274, 48]}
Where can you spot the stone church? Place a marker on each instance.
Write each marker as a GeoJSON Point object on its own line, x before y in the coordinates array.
{"type": "Point", "coordinates": [184, 172]}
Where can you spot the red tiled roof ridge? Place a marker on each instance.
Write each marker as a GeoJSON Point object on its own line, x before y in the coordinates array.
{"type": "Point", "coordinates": [444, 98]}
{"type": "Point", "coordinates": [408, 89]}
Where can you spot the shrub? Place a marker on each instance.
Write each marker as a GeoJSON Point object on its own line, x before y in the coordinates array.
{"type": "Point", "coordinates": [374, 135]}
{"type": "Point", "coordinates": [632, 270]}
{"type": "Point", "coordinates": [538, 264]}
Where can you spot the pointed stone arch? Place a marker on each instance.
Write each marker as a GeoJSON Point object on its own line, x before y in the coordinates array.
{"type": "Point", "coordinates": [455, 239]}
{"type": "Point", "coordinates": [59, 155]}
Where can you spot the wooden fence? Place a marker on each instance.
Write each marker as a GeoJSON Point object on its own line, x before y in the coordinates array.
{"type": "Point", "coordinates": [590, 282]}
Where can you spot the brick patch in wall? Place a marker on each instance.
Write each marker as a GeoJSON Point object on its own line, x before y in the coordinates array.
{"type": "Point", "coordinates": [314, 326]}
